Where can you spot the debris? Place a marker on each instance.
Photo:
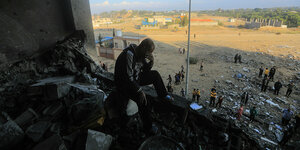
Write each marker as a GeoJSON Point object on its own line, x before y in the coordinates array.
{"type": "Point", "coordinates": [132, 108]}
{"type": "Point", "coordinates": [160, 143]}
{"type": "Point", "coordinates": [246, 69]}
{"type": "Point", "coordinates": [27, 117]}
{"type": "Point", "coordinates": [51, 88]}
{"type": "Point", "coordinates": [54, 142]}
{"type": "Point", "coordinates": [36, 131]}
{"type": "Point", "coordinates": [98, 140]}
{"type": "Point", "coordinates": [267, 140]}
{"type": "Point", "coordinates": [214, 110]}
{"type": "Point", "coordinates": [195, 106]}
{"type": "Point", "coordinates": [10, 134]}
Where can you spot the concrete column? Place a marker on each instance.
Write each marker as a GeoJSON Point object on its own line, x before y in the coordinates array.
{"type": "Point", "coordinates": [83, 20]}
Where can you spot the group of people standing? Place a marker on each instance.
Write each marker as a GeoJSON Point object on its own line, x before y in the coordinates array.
{"type": "Point", "coordinates": [269, 76]}
{"type": "Point", "coordinates": [238, 58]}
{"type": "Point", "coordinates": [181, 50]}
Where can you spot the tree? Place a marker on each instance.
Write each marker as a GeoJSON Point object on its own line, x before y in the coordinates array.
{"type": "Point", "coordinates": [184, 21]}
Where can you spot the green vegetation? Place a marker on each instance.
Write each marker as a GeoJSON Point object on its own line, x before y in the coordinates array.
{"type": "Point", "coordinates": [184, 21]}
{"type": "Point", "coordinates": [193, 60]}
{"type": "Point", "coordinates": [220, 23]}
{"type": "Point", "coordinates": [289, 16]}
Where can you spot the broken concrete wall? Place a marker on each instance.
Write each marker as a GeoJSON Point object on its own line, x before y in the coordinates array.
{"type": "Point", "coordinates": [30, 26]}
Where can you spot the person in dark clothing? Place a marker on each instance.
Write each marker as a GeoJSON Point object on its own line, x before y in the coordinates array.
{"type": "Point", "coordinates": [132, 70]}
{"type": "Point", "coordinates": [253, 113]}
{"type": "Point", "coordinates": [182, 76]}
{"type": "Point", "coordinates": [194, 94]}
{"type": "Point", "coordinates": [289, 90]}
{"type": "Point", "coordinates": [104, 66]}
{"type": "Point", "coordinates": [236, 58]}
{"type": "Point", "coordinates": [170, 88]}
{"type": "Point", "coordinates": [266, 85]}
{"type": "Point", "coordinates": [177, 79]}
{"type": "Point", "coordinates": [286, 116]}
{"type": "Point", "coordinates": [220, 100]}
{"type": "Point", "coordinates": [244, 97]}
{"type": "Point", "coordinates": [277, 87]}
{"type": "Point", "coordinates": [272, 73]}
{"type": "Point", "coordinates": [287, 134]}
{"type": "Point", "coordinates": [263, 84]}
{"type": "Point", "coordinates": [182, 92]}
{"type": "Point", "coordinates": [240, 58]}
{"type": "Point", "coordinates": [198, 95]}
{"type": "Point", "coordinates": [201, 66]}
{"type": "Point", "coordinates": [261, 70]}
{"type": "Point", "coordinates": [169, 80]}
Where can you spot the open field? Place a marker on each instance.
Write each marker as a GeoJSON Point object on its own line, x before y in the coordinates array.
{"type": "Point", "coordinates": [262, 46]}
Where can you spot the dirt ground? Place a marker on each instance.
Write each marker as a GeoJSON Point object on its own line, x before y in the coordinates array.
{"type": "Point", "coordinates": [262, 46]}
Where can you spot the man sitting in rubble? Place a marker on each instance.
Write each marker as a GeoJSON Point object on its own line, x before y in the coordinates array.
{"type": "Point", "coordinates": [132, 70]}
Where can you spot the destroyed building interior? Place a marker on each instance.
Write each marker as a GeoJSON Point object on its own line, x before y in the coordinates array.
{"type": "Point", "coordinates": [52, 93]}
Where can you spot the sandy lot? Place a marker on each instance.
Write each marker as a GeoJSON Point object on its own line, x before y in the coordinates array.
{"type": "Point", "coordinates": [263, 46]}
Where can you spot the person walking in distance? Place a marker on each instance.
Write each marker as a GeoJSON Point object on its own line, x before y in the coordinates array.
{"type": "Point", "coordinates": [263, 84]}
{"type": "Point", "coordinates": [213, 95]}
{"type": "Point", "coordinates": [220, 100]}
{"type": "Point", "coordinates": [240, 112]}
{"type": "Point", "coordinates": [277, 87]}
{"type": "Point", "coordinates": [169, 80]}
{"type": "Point", "coordinates": [267, 84]}
{"type": "Point", "coordinates": [194, 94]}
{"type": "Point", "coordinates": [266, 73]}
{"type": "Point", "coordinates": [253, 113]}
{"type": "Point", "coordinates": [261, 70]}
{"type": "Point", "coordinates": [236, 57]}
{"type": "Point", "coordinates": [289, 89]}
{"type": "Point", "coordinates": [272, 73]}
{"type": "Point", "coordinates": [201, 66]}
{"type": "Point", "coordinates": [198, 95]}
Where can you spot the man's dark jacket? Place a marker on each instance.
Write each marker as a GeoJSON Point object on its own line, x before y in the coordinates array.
{"type": "Point", "coordinates": [127, 72]}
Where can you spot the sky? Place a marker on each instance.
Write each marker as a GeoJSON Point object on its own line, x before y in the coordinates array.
{"type": "Point", "coordinates": [98, 6]}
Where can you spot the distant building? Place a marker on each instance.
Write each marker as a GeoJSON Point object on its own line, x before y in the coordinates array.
{"type": "Point", "coordinates": [112, 46]}
{"type": "Point", "coordinates": [97, 21]}
{"type": "Point", "coordinates": [231, 20]}
{"type": "Point", "coordinates": [203, 22]}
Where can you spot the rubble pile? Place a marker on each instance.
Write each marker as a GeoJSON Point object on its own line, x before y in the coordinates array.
{"type": "Point", "coordinates": [56, 100]}
{"type": "Point", "coordinates": [266, 130]}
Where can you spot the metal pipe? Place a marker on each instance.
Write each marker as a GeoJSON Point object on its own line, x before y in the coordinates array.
{"type": "Point", "coordinates": [188, 55]}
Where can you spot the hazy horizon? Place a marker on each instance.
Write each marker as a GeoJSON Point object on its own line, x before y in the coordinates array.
{"type": "Point", "coordinates": [99, 6]}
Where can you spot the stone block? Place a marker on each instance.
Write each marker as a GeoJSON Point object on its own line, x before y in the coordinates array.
{"type": "Point", "coordinates": [54, 142]}
{"type": "Point", "coordinates": [26, 118]}
{"type": "Point", "coordinates": [51, 88]}
{"type": "Point", "coordinates": [36, 131]}
{"type": "Point", "coordinates": [10, 134]}
{"type": "Point", "coordinates": [98, 140]}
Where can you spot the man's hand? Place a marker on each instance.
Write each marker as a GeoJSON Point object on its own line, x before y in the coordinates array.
{"type": "Point", "coordinates": [142, 97]}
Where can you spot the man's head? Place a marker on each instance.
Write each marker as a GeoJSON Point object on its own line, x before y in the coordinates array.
{"type": "Point", "coordinates": [145, 48]}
